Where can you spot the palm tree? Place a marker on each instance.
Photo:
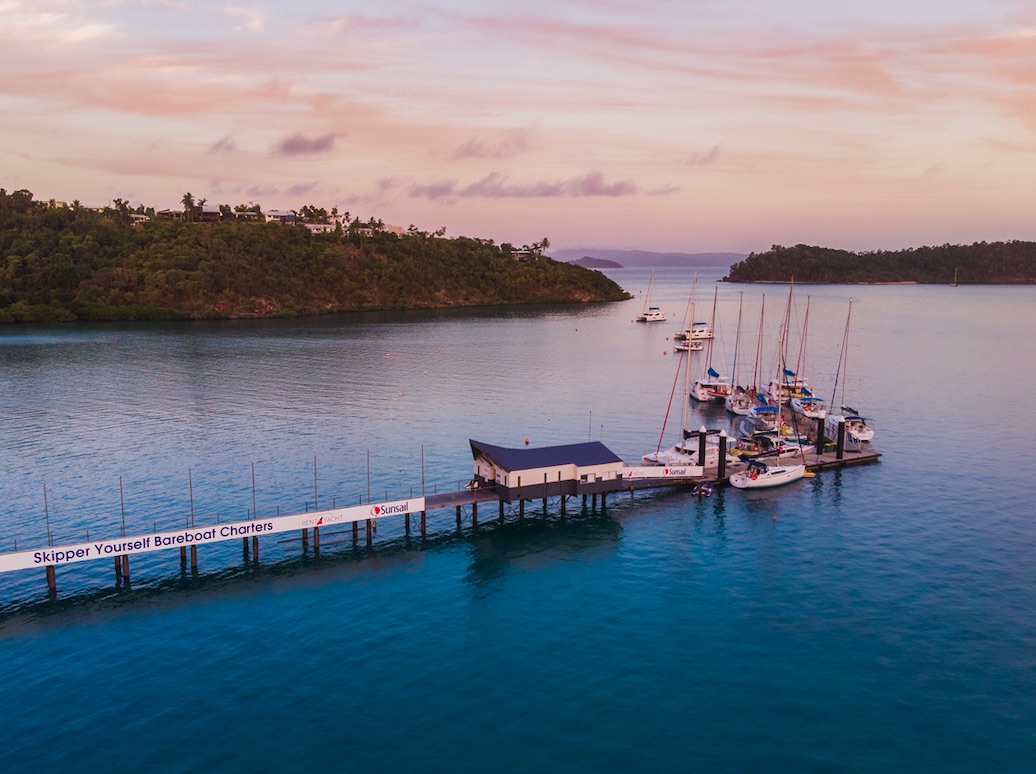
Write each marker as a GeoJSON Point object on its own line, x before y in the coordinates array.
{"type": "Point", "coordinates": [188, 205]}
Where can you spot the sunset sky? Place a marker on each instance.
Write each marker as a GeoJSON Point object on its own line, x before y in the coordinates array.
{"type": "Point", "coordinates": [671, 125]}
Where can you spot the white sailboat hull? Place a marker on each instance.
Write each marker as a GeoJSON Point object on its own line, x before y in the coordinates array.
{"type": "Point", "coordinates": [772, 476]}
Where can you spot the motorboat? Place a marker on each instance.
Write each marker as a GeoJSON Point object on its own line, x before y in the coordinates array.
{"type": "Point", "coordinates": [781, 391]}
{"type": "Point", "coordinates": [772, 443]}
{"type": "Point", "coordinates": [699, 331]}
{"type": "Point", "coordinates": [739, 401]}
{"type": "Point", "coordinates": [856, 427]}
{"type": "Point", "coordinates": [651, 314]}
{"type": "Point", "coordinates": [712, 388]}
{"type": "Point", "coordinates": [759, 475]}
{"type": "Point", "coordinates": [686, 451]}
{"type": "Point", "coordinates": [809, 406]}
{"type": "Point", "coordinates": [761, 417]}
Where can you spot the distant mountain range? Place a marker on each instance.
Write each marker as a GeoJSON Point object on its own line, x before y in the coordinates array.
{"type": "Point", "coordinates": [613, 259]}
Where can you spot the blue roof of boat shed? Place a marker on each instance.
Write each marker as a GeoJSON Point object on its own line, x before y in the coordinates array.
{"type": "Point", "coordinates": [528, 457]}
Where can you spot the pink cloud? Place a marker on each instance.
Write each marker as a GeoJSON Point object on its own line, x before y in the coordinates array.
{"type": "Point", "coordinates": [496, 185]}
{"type": "Point", "coordinates": [223, 145]}
{"type": "Point", "coordinates": [513, 145]}
{"type": "Point", "coordinates": [300, 145]}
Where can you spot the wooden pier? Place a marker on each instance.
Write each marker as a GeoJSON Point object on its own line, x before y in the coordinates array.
{"type": "Point", "coordinates": [307, 526]}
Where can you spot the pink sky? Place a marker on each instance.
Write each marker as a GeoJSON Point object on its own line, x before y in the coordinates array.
{"type": "Point", "coordinates": [682, 125]}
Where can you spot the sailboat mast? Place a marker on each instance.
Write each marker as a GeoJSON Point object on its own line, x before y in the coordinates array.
{"type": "Point", "coordinates": [686, 385]}
{"type": "Point", "coordinates": [712, 327]}
{"type": "Point", "coordinates": [647, 296]}
{"type": "Point", "coordinates": [843, 359]}
{"type": "Point", "coordinates": [800, 364]}
{"type": "Point", "coordinates": [737, 337]}
{"type": "Point", "coordinates": [758, 347]}
{"type": "Point", "coordinates": [782, 341]}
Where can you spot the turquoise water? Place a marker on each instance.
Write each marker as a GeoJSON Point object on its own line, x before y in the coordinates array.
{"type": "Point", "coordinates": [877, 617]}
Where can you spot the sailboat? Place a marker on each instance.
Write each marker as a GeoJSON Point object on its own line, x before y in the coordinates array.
{"type": "Point", "coordinates": [686, 450]}
{"type": "Point", "coordinates": [711, 387]}
{"type": "Point", "coordinates": [739, 400]}
{"type": "Point", "coordinates": [759, 475]}
{"type": "Point", "coordinates": [650, 313]}
{"type": "Point", "coordinates": [788, 384]}
{"type": "Point", "coordinates": [954, 283]}
{"type": "Point", "coordinates": [685, 341]}
{"type": "Point", "coordinates": [806, 403]}
{"type": "Point", "coordinates": [857, 430]}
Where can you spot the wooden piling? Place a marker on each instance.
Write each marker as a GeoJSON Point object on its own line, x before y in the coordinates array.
{"type": "Point", "coordinates": [356, 532]}
{"type": "Point", "coordinates": [370, 532]}
{"type": "Point", "coordinates": [501, 510]}
{"type": "Point", "coordinates": [52, 578]}
{"type": "Point", "coordinates": [125, 567]}
{"type": "Point", "coordinates": [474, 514]}
{"type": "Point", "coordinates": [721, 471]}
{"type": "Point", "coordinates": [183, 557]}
{"type": "Point", "coordinates": [244, 550]}
{"type": "Point", "coordinates": [521, 509]}
{"type": "Point", "coordinates": [255, 548]}
{"type": "Point", "coordinates": [305, 539]}
{"type": "Point", "coordinates": [316, 540]}
{"type": "Point", "coordinates": [820, 434]}
{"type": "Point", "coordinates": [194, 558]}
{"type": "Point", "coordinates": [406, 525]}
{"type": "Point", "coordinates": [424, 520]}
{"type": "Point", "coordinates": [840, 445]}
{"type": "Point", "coordinates": [118, 568]}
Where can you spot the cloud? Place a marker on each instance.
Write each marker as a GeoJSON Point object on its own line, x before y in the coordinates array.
{"type": "Point", "coordinates": [301, 188]}
{"type": "Point", "coordinates": [300, 145]}
{"type": "Point", "coordinates": [496, 185]}
{"type": "Point", "coordinates": [253, 17]}
{"type": "Point", "coordinates": [704, 159]}
{"type": "Point", "coordinates": [513, 145]}
{"type": "Point", "coordinates": [223, 145]}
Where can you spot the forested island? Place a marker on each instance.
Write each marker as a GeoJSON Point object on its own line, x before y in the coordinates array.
{"type": "Point", "coordinates": [67, 262]}
{"type": "Point", "coordinates": [980, 263]}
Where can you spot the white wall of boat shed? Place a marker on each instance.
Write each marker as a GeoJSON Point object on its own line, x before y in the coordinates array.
{"type": "Point", "coordinates": [485, 469]}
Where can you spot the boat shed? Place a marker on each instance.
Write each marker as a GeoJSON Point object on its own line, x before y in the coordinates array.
{"type": "Point", "coordinates": [531, 472]}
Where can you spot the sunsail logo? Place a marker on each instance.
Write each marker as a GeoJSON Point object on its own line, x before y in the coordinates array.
{"type": "Point", "coordinates": [388, 510]}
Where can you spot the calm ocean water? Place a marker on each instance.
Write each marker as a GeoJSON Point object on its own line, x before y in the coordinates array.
{"type": "Point", "coordinates": [879, 617]}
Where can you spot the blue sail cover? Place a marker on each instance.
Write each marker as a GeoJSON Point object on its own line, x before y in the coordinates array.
{"type": "Point", "coordinates": [806, 392]}
{"type": "Point", "coordinates": [788, 372]}
{"type": "Point", "coordinates": [713, 373]}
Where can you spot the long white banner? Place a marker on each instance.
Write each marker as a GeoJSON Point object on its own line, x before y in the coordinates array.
{"type": "Point", "coordinates": [662, 471]}
{"type": "Point", "coordinates": [138, 544]}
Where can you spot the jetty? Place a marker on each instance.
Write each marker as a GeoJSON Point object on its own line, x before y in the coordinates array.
{"type": "Point", "coordinates": [501, 475]}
